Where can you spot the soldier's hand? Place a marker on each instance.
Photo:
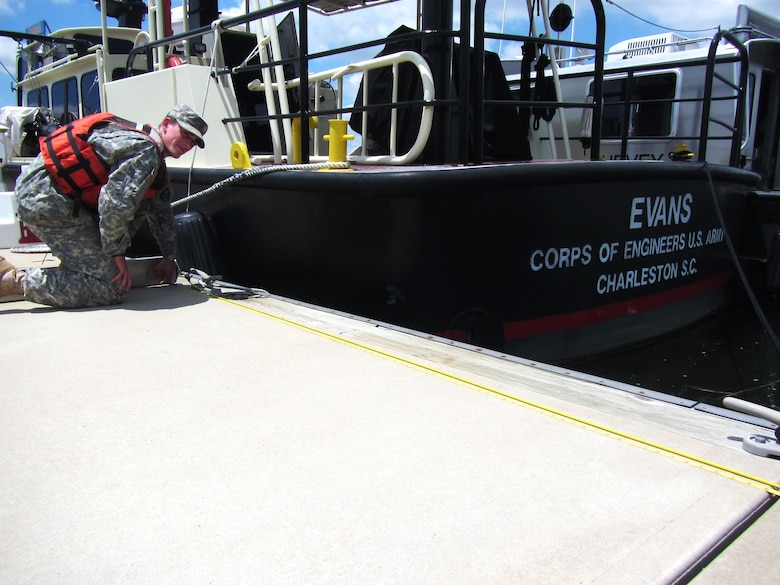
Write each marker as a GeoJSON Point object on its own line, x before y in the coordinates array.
{"type": "Point", "coordinates": [122, 278]}
{"type": "Point", "coordinates": [166, 271]}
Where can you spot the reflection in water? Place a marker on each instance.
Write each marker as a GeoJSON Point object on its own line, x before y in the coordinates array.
{"type": "Point", "coordinates": [728, 353]}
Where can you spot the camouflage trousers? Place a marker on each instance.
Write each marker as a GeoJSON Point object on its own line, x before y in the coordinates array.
{"type": "Point", "coordinates": [83, 278]}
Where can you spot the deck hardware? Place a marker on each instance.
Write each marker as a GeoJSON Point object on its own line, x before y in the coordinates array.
{"type": "Point", "coordinates": [761, 445]}
{"type": "Point", "coordinates": [213, 286]}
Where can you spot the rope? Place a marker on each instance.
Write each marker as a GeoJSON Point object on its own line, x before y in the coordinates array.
{"type": "Point", "coordinates": [212, 75]}
{"type": "Point", "coordinates": [214, 287]}
{"type": "Point", "coordinates": [738, 266]}
{"type": "Point", "coordinates": [259, 171]}
{"type": "Point", "coordinates": [216, 30]}
{"type": "Point", "coordinates": [696, 30]}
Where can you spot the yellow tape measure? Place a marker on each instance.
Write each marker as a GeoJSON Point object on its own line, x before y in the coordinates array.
{"type": "Point", "coordinates": [736, 475]}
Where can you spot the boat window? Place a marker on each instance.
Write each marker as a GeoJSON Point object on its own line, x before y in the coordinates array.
{"type": "Point", "coordinates": [22, 67]}
{"type": "Point", "coordinates": [65, 100]}
{"type": "Point", "coordinates": [638, 106]}
{"type": "Point", "coordinates": [90, 96]}
{"type": "Point", "coordinates": [38, 97]}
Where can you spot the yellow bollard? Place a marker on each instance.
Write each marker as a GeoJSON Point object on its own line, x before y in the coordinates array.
{"type": "Point", "coordinates": [296, 132]}
{"type": "Point", "coordinates": [337, 139]}
{"type": "Point", "coordinates": [239, 156]}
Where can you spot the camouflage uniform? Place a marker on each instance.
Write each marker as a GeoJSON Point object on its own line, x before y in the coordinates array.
{"type": "Point", "coordinates": [85, 244]}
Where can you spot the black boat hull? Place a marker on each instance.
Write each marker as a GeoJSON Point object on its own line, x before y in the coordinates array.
{"type": "Point", "coordinates": [552, 261]}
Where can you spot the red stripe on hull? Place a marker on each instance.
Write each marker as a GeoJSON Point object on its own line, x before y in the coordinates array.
{"type": "Point", "coordinates": [531, 327]}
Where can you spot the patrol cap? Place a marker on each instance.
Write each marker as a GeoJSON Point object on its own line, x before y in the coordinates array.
{"type": "Point", "coordinates": [186, 117]}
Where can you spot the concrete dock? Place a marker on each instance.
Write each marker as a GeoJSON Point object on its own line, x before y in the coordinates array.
{"type": "Point", "coordinates": [179, 438]}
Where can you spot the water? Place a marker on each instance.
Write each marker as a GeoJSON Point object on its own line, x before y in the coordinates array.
{"type": "Point", "coordinates": [725, 354]}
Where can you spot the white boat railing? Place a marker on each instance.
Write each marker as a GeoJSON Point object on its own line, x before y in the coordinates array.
{"type": "Point", "coordinates": [46, 67]}
{"type": "Point", "coordinates": [556, 80]}
{"type": "Point", "coordinates": [269, 74]}
{"type": "Point", "coordinates": [338, 73]}
{"type": "Point", "coordinates": [156, 31]}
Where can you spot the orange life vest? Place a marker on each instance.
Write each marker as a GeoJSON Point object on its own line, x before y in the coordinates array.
{"type": "Point", "coordinates": [75, 167]}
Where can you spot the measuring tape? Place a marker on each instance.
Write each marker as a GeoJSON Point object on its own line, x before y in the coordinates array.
{"type": "Point", "coordinates": [736, 475]}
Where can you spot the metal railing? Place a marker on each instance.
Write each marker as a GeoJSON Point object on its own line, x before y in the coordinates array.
{"type": "Point", "coordinates": [735, 127]}
{"type": "Point", "coordinates": [393, 61]}
{"type": "Point", "coordinates": [596, 105]}
{"type": "Point", "coordinates": [454, 109]}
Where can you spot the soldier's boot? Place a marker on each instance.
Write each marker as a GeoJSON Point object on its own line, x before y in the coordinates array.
{"type": "Point", "coordinates": [10, 281]}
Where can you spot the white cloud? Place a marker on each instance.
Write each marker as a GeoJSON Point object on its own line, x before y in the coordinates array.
{"type": "Point", "coordinates": [9, 6]}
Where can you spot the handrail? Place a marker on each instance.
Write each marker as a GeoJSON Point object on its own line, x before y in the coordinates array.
{"type": "Point", "coordinates": [269, 73]}
{"type": "Point", "coordinates": [275, 65]}
{"type": "Point", "coordinates": [739, 115]}
{"type": "Point", "coordinates": [457, 109]}
{"type": "Point", "coordinates": [393, 60]}
{"type": "Point", "coordinates": [58, 63]}
{"type": "Point", "coordinates": [480, 35]}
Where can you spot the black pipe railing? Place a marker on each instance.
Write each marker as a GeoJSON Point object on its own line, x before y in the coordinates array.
{"type": "Point", "coordinates": [438, 31]}
{"type": "Point", "coordinates": [737, 127]}
{"type": "Point", "coordinates": [597, 46]}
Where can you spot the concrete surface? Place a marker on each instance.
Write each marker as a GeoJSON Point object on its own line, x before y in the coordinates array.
{"type": "Point", "coordinates": [183, 439]}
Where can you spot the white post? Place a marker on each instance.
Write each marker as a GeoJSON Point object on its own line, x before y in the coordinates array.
{"type": "Point", "coordinates": [267, 78]}
{"type": "Point", "coordinates": [101, 57]}
{"type": "Point", "coordinates": [284, 105]}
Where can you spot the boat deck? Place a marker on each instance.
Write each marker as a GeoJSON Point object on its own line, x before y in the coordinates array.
{"type": "Point", "coordinates": [179, 438]}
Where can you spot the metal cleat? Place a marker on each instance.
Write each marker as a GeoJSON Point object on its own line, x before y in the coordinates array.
{"type": "Point", "coordinates": [761, 445]}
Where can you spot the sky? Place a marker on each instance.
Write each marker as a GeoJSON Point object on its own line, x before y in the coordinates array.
{"type": "Point", "coordinates": [625, 19]}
